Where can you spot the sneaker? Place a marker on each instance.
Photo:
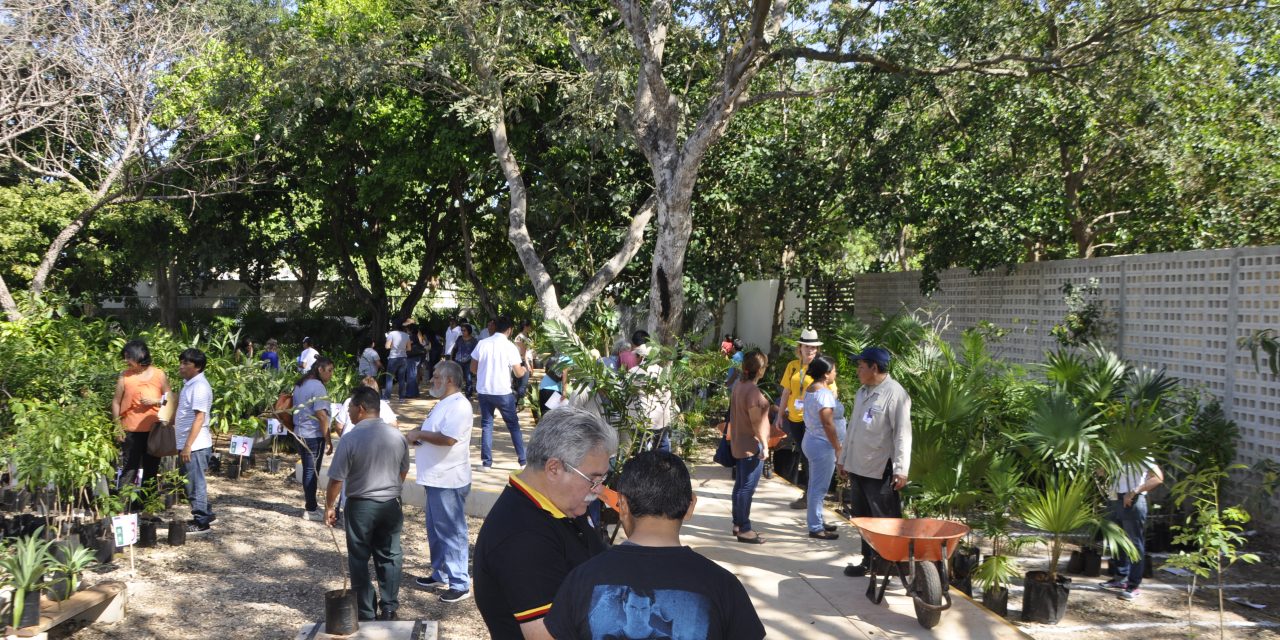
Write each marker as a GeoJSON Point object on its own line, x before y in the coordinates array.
{"type": "Point", "coordinates": [194, 529]}
{"type": "Point", "coordinates": [212, 519]}
{"type": "Point", "coordinates": [824, 535]}
{"type": "Point", "coordinates": [1115, 583]}
{"type": "Point", "coordinates": [388, 616]}
{"type": "Point", "coordinates": [455, 595]}
{"type": "Point", "coordinates": [828, 526]}
{"type": "Point", "coordinates": [314, 516]}
{"type": "Point", "coordinates": [799, 503]}
{"type": "Point", "coordinates": [1130, 593]}
{"type": "Point", "coordinates": [427, 582]}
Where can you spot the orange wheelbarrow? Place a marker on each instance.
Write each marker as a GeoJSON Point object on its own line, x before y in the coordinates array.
{"type": "Point", "coordinates": [917, 550]}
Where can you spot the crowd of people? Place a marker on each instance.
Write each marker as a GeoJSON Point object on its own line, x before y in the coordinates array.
{"type": "Point", "coordinates": [539, 568]}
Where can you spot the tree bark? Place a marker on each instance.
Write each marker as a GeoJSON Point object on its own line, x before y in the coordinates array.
{"type": "Point", "coordinates": [7, 303]}
{"type": "Point", "coordinates": [167, 294]}
{"type": "Point", "coordinates": [486, 303]}
{"type": "Point", "coordinates": [1072, 182]}
{"type": "Point", "coordinates": [430, 258]}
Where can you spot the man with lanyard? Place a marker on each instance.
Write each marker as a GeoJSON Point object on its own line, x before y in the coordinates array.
{"type": "Point", "coordinates": [538, 531]}
{"type": "Point", "coordinates": [877, 446]}
{"type": "Point", "coordinates": [372, 461]}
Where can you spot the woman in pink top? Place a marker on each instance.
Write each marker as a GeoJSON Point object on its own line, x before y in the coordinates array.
{"type": "Point", "coordinates": [749, 440]}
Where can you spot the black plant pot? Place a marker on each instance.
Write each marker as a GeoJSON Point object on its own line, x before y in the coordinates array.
{"type": "Point", "coordinates": [1043, 601]}
{"type": "Point", "coordinates": [1148, 566]}
{"type": "Point", "coordinates": [963, 562]}
{"type": "Point", "coordinates": [340, 612]}
{"type": "Point", "coordinates": [104, 549]}
{"type": "Point", "coordinates": [63, 548]}
{"type": "Point", "coordinates": [273, 465]}
{"type": "Point", "coordinates": [215, 464]}
{"type": "Point", "coordinates": [59, 587]}
{"type": "Point", "coordinates": [170, 500]}
{"type": "Point", "coordinates": [177, 532]}
{"type": "Point", "coordinates": [30, 609]}
{"type": "Point", "coordinates": [997, 600]}
{"type": "Point", "coordinates": [233, 471]}
{"type": "Point", "coordinates": [147, 532]}
{"type": "Point", "coordinates": [1092, 562]}
{"type": "Point", "coordinates": [1075, 565]}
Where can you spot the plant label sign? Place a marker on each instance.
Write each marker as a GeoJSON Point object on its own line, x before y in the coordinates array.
{"type": "Point", "coordinates": [241, 445]}
{"type": "Point", "coordinates": [274, 428]}
{"type": "Point", "coordinates": [126, 529]}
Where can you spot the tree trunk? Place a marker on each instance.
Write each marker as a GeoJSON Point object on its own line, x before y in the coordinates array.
{"type": "Point", "coordinates": [6, 302]}
{"type": "Point", "coordinates": [307, 278]}
{"type": "Point", "coordinates": [666, 297]}
{"type": "Point", "coordinates": [468, 261]}
{"type": "Point", "coordinates": [1072, 181]}
{"type": "Point", "coordinates": [167, 294]}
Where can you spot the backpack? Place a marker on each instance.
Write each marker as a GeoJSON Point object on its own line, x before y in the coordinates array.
{"type": "Point", "coordinates": [283, 409]}
{"type": "Point", "coordinates": [554, 369]}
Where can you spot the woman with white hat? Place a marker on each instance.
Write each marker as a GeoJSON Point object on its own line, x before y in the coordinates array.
{"type": "Point", "coordinates": [794, 383]}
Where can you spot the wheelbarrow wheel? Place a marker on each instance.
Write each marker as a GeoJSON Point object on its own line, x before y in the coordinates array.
{"type": "Point", "coordinates": [928, 588]}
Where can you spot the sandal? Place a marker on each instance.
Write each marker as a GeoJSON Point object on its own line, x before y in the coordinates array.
{"type": "Point", "coordinates": [756, 539]}
{"type": "Point", "coordinates": [824, 535]}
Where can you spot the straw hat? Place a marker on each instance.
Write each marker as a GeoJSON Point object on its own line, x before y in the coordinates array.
{"type": "Point", "coordinates": [809, 337]}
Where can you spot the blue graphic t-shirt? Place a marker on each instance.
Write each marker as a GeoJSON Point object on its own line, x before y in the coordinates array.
{"type": "Point", "coordinates": [669, 592]}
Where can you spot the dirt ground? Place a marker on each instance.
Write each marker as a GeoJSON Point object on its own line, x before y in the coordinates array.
{"type": "Point", "coordinates": [263, 571]}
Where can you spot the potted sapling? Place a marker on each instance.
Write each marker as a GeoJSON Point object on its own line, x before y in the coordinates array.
{"type": "Point", "coordinates": [67, 570]}
{"type": "Point", "coordinates": [152, 499]}
{"type": "Point", "coordinates": [25, 563]}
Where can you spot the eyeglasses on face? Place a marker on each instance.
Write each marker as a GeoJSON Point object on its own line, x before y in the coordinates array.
{"type": "Point", "coordinates": [595, 484]}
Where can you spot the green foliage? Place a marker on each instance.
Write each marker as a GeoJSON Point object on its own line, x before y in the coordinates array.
{"type": "Point", "coordinates": [1212, 531]}
{"type": "Point", "coordinates": [75, 562]}
{"type": "Point", "coordinates": [1084, 322]}
{"type": "Point", "coordinates": [1268, 342]}
{"type": "Point", "coordinates": [24, 563]}
{"type": "Point", "coordinates": [1067, 505]}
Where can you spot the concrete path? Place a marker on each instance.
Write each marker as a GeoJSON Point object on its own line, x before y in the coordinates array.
{"type": "Point", "coordinates": [795, 581]}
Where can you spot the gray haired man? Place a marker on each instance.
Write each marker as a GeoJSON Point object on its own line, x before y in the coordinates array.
{"type": "Point", "coordinates": [538, 531]}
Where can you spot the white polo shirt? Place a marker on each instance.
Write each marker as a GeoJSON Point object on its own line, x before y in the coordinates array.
{"type": "Point", "coordinates": [494, 358]}
{"type": "Point", "coordinates": [447, 467]}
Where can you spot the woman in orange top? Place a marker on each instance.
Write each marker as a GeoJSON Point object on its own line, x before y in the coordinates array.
{"type": "Point", "coordinates": [140, 391]}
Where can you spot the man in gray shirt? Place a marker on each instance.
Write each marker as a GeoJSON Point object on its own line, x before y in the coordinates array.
{"type": "Point", "coordinates": [877, 445]}
{"type": "Point", "coordinates": [372, 459]}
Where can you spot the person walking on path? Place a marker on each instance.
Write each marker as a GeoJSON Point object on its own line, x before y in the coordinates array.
{"type": "Point", "coordinates": [524, 345]}
{"type": "Point", "coordinates": [140, 391]}
{"type": "Point", "coordinates": [444, 470]}
{"type": "Point", "coordinates": [311, 406]}
{"type": "Point", "coordinates": [791, 418]}
{"type": "Point", "coordinates": [461, 353]}
{"type": "Point", "coordinates": [397, 345]}
{"type": "Point", "coordinates": [191, 431]}
{"type": "Point", "coordinates": [451, 336]}
{"type": "Point", "coordinates": [307, 358]}
{"type": "Point", "coordinates": [1129, 510]}
{"type": "Point", "coordinates": [370, 463]}
{"type": "Point", "coordinates": [651, 586]}
{"type": "Point", "coordinates": [416, 354]}
{"type": "Point", "coordinates": [369, 363]}
{"type": "Point", "coordinates": [877, 448]}
{"type": "Point", "coordinates": [823, 442]}
{"type": "Point", "coordinates": [494, 362]}
{"type": "Point", "coordinates": [749, 440]}
{"type": "Point", "coordinates": [538, 531]}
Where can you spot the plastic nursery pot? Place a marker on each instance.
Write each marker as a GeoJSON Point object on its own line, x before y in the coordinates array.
{"type": "Point", "coordinates": [997, 600]}
{"type": "Point", "coordinates": [964, 561]}
{"type": "Point", "coordinates": [233, 472]}
{"type": "Point", "coordinates": [1075, 565]}
{"type": "Point", "coordinates": [104, 549]}
{"type": "Point", "coordinates": [1043, 601]}
{"type": "Point", "coordinates": [273, 465]}
{"type": "Point", "coordinates": [1092, 560]}
{"type": "Point", "coordinates": [30, 609]}
{"type": "Point", "coordinates": [59, 587]}
{"type": "Point", "coordinates": [147, 532]}
{"type": "Point", "coordinates": [340, 617]}
{"type": "Point", "coordinates": [177, 532]}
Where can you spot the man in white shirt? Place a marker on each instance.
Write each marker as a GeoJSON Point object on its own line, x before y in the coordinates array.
{"type": "Point", "coordinates": [397, 360]}
{"type": "Point", "coordinates": [308, 355]}
{"type": "Point", "coordinates": [1129, 510]}
{"type": "Point", "coordinates": [444, 470]}
{"type": "Point", "coordinates": [489, 329]}
{"type": "Point", "coordinates": [191, 428]}
{"type": "Point", "coordinates": [494, 361]}
{"type": "Point", "coordinates": [451, 336]}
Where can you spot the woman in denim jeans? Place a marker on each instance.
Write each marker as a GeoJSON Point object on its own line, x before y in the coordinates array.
{"type": "Point", "coordinates": [824, 431]}
{"type": "Point", "coordinates": [311, 427]}
{"type": "Point", "coordinates": [749, 440]}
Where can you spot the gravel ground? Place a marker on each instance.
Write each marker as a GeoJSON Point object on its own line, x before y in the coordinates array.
{"type": "Point", "coordinates": [260, 573]}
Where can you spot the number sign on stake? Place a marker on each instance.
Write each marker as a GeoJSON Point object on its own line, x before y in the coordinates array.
{"type": "Point", "coordinates": [274, 428]}
{"type": "Point", "coordinates": [241, 445]}
{"type": "Point", "coordinates": [126, 529]}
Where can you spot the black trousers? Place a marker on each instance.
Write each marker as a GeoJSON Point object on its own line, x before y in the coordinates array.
{"type": "Point", "coordinates": [133, 452]}
{"type": "Point", "coordinates": [795, 431]}
{"type": "Point", "coordinates": [874, 498]}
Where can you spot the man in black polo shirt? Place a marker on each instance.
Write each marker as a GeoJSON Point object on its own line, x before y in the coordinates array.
{"type": "Point", "coordinates": [537, 531]}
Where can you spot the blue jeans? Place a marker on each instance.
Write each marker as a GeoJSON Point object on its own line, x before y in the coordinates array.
{"type": "Point", "coordinates": [522, 385]}
{"type": "Point", "coordinates": [197, 487]}
{"type": "Point", "coordinates": [311, 461]}
{"type": "Point", "coordinates": [373, 530]}
{"type": "Point", "coordinates": [447, 536]}
{"type": "Point", "coordinates": [822, 465]}
{"type": "Point", "coordinates": [744, 488]}
{"type": "Point", "coordinates": [411, 377]}
{"type": "Point", "coordinates": [1134, 522]}
{"type": "Point", "coordinates": [398, 368]}
{"type": "Point", "coordinates": [468, 380]}
{"type": "Point", "coordinates": [506, 405]}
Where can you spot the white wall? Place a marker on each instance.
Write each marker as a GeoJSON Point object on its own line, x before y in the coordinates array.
{"type": "Point", "coordinates": [754, 312]}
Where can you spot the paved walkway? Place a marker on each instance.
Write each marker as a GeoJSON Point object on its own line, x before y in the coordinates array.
{"type": "Point", "coordinates": [795, 581]}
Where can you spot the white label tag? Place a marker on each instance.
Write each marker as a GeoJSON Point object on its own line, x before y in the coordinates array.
{"type": "Point", "coordinates": [241, 445]}
{"type": "Point", "coordinates": [799, 405]}
{"type": "Point", "coordinates": [126, 529]}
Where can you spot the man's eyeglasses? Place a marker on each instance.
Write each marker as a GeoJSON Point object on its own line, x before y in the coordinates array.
{"type": "Point", "coordinates": [595, 484]}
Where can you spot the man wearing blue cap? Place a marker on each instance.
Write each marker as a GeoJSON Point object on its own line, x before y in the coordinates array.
{"type": "Point", "coordinates": [877, 445]}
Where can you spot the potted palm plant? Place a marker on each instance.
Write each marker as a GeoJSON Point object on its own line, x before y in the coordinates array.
{"type": "Point", "coordinates": [25, 562]}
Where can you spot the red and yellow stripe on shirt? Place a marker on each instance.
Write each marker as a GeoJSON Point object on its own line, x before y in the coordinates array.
{"type": "Point", "coordinates": [545, 504]}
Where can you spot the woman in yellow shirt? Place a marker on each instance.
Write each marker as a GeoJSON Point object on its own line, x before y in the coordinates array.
{"type": "Point", "coordinates": [794, 382]}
